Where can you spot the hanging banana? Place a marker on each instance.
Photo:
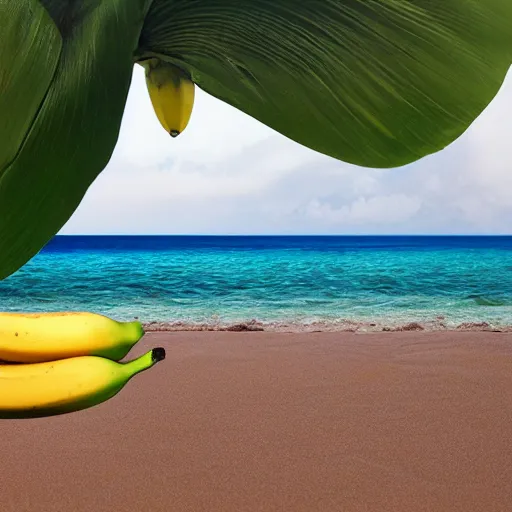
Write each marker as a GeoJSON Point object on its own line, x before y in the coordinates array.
{"type": "Point", "coordinates": [172, 94]}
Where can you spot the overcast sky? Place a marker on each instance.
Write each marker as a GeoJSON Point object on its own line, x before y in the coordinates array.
{"type": "Point", "coordinates": [229, 174]}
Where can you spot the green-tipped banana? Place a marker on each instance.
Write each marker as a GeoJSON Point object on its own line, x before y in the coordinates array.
{"type": "Point", "coordinates": [39, 337]}
{"type": "Point", "coordinates": [68, 385]}
{"type": "Point", "coordinates": [172, 94]}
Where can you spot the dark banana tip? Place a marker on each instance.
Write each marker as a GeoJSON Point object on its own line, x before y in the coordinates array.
{"type": "Point", "coordinates": [158, 354]}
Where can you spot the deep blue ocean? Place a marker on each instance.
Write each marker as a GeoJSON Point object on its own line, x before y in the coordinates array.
{"type": "Point", "coordinates": [296, 280]}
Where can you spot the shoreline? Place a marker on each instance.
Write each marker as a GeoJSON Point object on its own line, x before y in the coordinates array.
{"type": "Point", "coordinates": [438, 325]}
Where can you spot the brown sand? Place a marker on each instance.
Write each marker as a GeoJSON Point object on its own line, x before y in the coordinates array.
{"type": "Point", "coordinates": [268, 422]}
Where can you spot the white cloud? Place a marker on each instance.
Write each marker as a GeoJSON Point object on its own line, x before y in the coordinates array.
{"type": "Point", "coordinates": [386, 210]}
{"type": "Point", "coordinates": [228, 173]}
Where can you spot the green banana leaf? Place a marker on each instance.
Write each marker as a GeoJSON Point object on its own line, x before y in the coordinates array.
{"type": "Point", "coordinates": [26, 31]}
{"type": "Point", "coordinates": [76, 128]}
{"type": "Point", "coordinates": [378, 83]}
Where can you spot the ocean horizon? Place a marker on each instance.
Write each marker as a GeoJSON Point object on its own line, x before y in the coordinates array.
{"type": "Point", "coordinates": [356, 282]}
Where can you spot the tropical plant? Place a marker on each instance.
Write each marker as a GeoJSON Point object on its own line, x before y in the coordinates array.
{"type": "Point", "coordinates": [377, 83]}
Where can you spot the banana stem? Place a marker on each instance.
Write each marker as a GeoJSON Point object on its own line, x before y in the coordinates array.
{"type": "Point", "coordinates": [145, 361]}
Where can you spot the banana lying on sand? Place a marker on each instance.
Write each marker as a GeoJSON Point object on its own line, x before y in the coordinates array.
{"type": "Point", "coordinates": [67, 385]}
{"type": "Point", "coordinates": [65, 362]}
{"type": "Point", "coordinates": [36, 338]}
{"type": "Point", "coordinates": [172, 94]}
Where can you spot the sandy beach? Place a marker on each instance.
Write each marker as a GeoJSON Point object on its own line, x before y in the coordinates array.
{"type": "Point", "coordinates": [306, 422]}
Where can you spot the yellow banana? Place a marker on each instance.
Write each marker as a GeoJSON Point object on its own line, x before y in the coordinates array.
{"type": "Point", "coordinates": [68, 385]}
{"type": "Point", "coordinates": [172, 94]}
{"type": "Point", "coordinates": [39, 337]}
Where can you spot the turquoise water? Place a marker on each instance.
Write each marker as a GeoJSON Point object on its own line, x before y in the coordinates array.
{"type": "Point", "coordinates": [298, 280]}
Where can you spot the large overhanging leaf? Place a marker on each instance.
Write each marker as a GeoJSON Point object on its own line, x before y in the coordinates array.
{"type": "Point", "coordinates": [76, 128]}
{"type": "Point", "coordinates": [377, 83]}
{"type": "Point", "coordinates": [26, 31]}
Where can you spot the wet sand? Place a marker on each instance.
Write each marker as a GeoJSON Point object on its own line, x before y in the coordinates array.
{"type": "Point", "coordinates": [257, 421]}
